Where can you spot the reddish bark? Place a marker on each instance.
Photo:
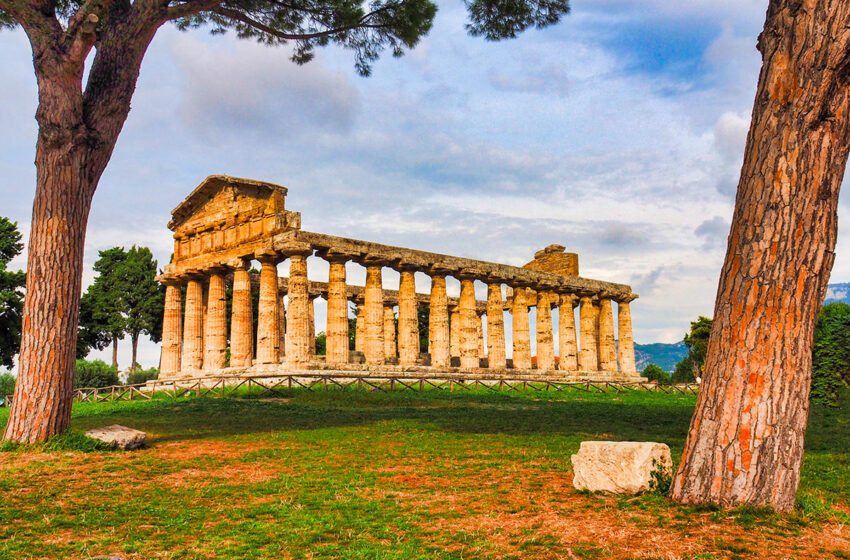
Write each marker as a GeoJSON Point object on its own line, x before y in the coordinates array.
{"type": "Point", "coordinates": [745, 443]}
{"type": "Point", "coordinates": [77, 132]}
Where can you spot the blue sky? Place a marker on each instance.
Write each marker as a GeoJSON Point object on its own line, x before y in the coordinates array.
{"type": "Point", "coordinates": [618, 133]}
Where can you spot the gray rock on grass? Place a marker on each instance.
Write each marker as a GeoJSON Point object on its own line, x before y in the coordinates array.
{"type": "Point", "coordinates": [119, 436]}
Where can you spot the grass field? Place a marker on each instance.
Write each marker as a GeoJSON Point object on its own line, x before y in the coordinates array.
{"type": "Point", "coordinates": [406, 475]}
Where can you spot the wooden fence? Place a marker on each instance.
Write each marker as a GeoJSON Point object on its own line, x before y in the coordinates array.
{"type": "Point", "coordinates": [311, 381]}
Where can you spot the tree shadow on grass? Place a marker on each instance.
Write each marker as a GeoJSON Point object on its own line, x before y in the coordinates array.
{"type": "Point", "coordinates": [663, 419]}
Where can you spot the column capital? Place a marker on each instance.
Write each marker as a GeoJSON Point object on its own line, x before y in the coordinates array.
{"type": "Point", "coordinates": [290, 248]}
{"type": "Point", "coordinates": [407, 266]}
{"type": "Point", "coordinates": [239, 263]}
{"type": "Point", "coordinates": [471, 274]}
{"type": "Point", "coordinates": [169, 279]}
{"type": "Point", "coordinates": [440, 269]}
{"type": "Point", "coordinates": [370, 260]}
{"type": "Point", "coordinates": [627, 298]}
{"type": "Point", "coordinates": [337, 255]}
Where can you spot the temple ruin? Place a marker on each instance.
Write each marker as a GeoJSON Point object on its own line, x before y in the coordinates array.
{"type": "Point", "coordinates": [226, 224]}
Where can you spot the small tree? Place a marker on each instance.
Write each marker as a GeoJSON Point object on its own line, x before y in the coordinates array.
{"type": "Point", "coordinates": [142, 297]}
{"type": "Point", "coordinates": [831, 353]}
{"type": "Point", "coordinates": [654, 373]}
{"type": "Point", "coordinates": [94, 374]}
{"type": "Point", "coordinates": [11, 293]}
{"type": "Point", "coordinates": [697, 343]}
{"type": "Point", "coordinates": [105, 300]}
{"type": "Point", "coordinates": [321, 343]}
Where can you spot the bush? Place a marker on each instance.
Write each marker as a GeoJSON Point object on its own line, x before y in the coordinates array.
{"type": "Point", "coordinates": [94, 374]}
{"type": "Point", "coordinates": [831, 353]}
{"type": "Point", "coordinates": [7, 384]}
{"type": "Point", "coordinates": [138, 375]}
{"type": "Point", "coordinates": [653, 372]}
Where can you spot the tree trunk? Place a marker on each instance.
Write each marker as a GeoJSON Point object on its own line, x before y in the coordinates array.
{"type": "Point", "coordinates": [115, 352]}
{"type": "Point", "coordinates": [745, 443]}
{"type": "Point", "coordinates": [76, 136]}
{"type": "Point", "coordinates": [135, 340]}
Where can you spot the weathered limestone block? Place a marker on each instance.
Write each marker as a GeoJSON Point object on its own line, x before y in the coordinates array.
{"type": "Point", "coordinates": [242, 318]}
{"type": "Point", "coordinates": [337, 335]}
{"type": "Point", "coordinates": [389, 332]}
{"type": "Point", "coordinates": [607, 342]}
{"type": "Point", "coordinates": [588, 356]}
{"type": "Point", "coordinates": [298, 331]}
{"type": "Point", "coordinates": [567, 333]}
{"type": "Point", "coordinates": [408, 321]}
{"type": "Point", "coordinates": [171, 330]}
{"type": "Point", "coordinates": [193, 327]}
{"type": "Point", "coordinates": [468, 347]}
{"type": "Point", "coordinates": [373, 347]}
{"type": "Point", "coordinates": [438, 323]}
{"type": "Point", "coordinates": [545, 342]}
{"type": "Point", "coordinates": [119, 436]}
{"type": "Point", "coordinates": [495, 327]}
{"type": "Point", "coordinates": [522, 337]}
{"type": "Point", "coordinates": [619, 467]}
{"type": "Point", "coordinates": [216, 325]}
{"type": "Point", "coordinates": [626, 347]}
{"type": "Point", "coordinates": [268, 314]}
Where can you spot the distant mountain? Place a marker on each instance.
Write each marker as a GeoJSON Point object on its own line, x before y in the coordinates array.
{"type": "Point", "coordinates": [665, 356]}
{"type": "Point", "coordinates": [838, 292]}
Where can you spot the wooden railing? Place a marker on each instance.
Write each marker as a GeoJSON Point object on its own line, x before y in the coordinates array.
{"type": "Point", "coordinates": [310, 381]}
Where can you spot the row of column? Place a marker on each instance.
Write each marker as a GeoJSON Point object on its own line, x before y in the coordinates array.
{"type": "Point", "coordinates": [197, 339]}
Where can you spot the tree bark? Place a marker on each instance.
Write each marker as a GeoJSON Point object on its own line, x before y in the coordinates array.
{"type": "Point", "coordinates": [115, 352]}
{"type": "Point", "coordinates": [134, 338]}
{"type": "Point", "coordinates": [745, 443]}
{"type": "Point", "coordinates": [77, 133]}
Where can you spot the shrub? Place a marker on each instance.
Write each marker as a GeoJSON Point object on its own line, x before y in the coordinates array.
{"type": "Point", "coordinates": [138, 375]}
{"type": "Point", "coordinates": [94, 374]}
{"type": "Point", "coordinates": [653, 372]}
{"type": "Point", "coordinates": [7, 384]}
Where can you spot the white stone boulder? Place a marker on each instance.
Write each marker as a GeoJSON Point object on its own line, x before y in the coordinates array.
{"type": "Point", "coordinates": [119, 436]}
{"type": "Point", "coordinates": [619, 467]}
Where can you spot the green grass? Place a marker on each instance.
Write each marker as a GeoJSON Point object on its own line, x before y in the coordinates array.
{"type": "Point", "coordinates": [354, 474]}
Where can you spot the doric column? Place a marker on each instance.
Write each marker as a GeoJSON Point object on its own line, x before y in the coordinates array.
{"type": "Point", "coordinates": [522, 338]}
{"type": "Point", "coordinates": [479, 332]}
{"type": "Point", "coordinates": [172, 327]}
{"type": "Point", "coordinates": [311, 328]}
{"type": "Point", "coordinates": [337, 333]}
{"type": "Point", "coordinates": [268, 313]}
{"type": "Point", "coordinates": [495, 326]}
{"type": "Point", "coordinates": [454, 335]}
{"type": "Point", "coordinates": [193, 327]}
{"type": "Point", "coordinates": [360, 328]}
{"type": "Point", "coordinates": [205, 288]}
{"type": "Point", "coordinates": [215, 353]}
{"type": "Point", "coordinates": [607, 343]}
{"type": "Point", "coordinates": [587, 335]}
{"type": "Point", "coordinates": [281, 305]}
{"type": "Point", "coordinates": [373, 347]}
{"type": "Point", "coordinates": [468, 333]}
{"type": "Point", "coordinates": [626, 346]}
{"type": "Point", "coordinates": [390, 348]}
{"type": "Point", "coordinates": [298, 314]}
{"type": "Point", "coordinates": [242, 317]}
{"type": "Point", "coordinates": [408, 320]}
{"type": "Point", "coordinates": [567, 333]}
{"type": "Point", "coordinates": [545, 343]}
{"type": "Point", "coordinates": [438, 321]}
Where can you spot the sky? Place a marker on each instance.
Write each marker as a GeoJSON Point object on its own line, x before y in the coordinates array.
{"type": "Point", "coordinates": [617, 133]}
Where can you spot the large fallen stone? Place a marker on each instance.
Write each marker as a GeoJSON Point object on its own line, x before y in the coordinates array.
{"type": "Point", "coordinates": [620, 467]}
{"type": "Point", "coordinates": [119, 436]}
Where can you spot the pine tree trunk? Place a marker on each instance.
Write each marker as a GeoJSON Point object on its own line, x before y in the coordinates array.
{"type": "Point", "coordinates": [745, 443]}
{"type": "Point", "coordinates": [76, 136]}
{"type": "Point", "coordinates": [135, 340]}
{"type": "Point", "coordinates": [115, 352]}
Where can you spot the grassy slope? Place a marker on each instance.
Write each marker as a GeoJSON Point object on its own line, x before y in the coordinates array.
{"type": "Point", "coordinates": [407, 475]}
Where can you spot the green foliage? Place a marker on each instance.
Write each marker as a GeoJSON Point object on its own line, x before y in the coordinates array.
{"type": "Point", "coordinates": [138, 375]}
{"type": "Point", "coordinates": [7, 384]}
{"type": "Point", "coordinates": [67, 441]}
{"type": "Point", "coordinates": [422, 315]}
{"type": "Point", "coordinates": [654, 373]}
{"type": "Point", "coordinates": [691, 366]}
{"type": "Point", "coordinates": [684, 371]}
{"type": "Point", "coordinates": [94, 374]}
{"type": "Point", "coordinates": [321, 344]}
{"type": "Point", "coordinates": [11, 293]}
{"type": "Point", "coordinates": [123, 299]}
{"type": "Point", "coordinates": [660, 478]}
{"type": "Point", "coordinates": [501, 19]}
{"type": "Point", "coordinates": [831, 353]}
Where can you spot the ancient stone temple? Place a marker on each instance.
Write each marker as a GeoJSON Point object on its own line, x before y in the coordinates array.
{"type": "Point", "coordinates": [227, 228]}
